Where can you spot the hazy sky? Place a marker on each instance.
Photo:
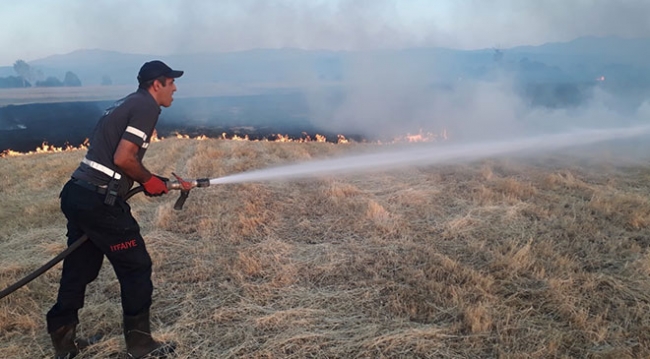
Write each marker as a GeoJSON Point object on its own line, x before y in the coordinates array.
{"type": "Point", "coordinates": [31, 29]}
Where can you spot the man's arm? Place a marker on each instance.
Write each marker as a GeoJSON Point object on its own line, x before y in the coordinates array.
{"type": "Point", "coordinates": [126, 158]}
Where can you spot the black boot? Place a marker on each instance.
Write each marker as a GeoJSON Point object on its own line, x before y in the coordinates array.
{"type": "Point", "coordinates": [66, 344]}
{"type": "Point", "coordinates": [139, 343]}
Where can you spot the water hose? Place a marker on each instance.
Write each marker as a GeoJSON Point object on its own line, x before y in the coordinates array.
{"type": "Point", "coordinates": [182, 185]}
{"type": "Point", "coordinates": [52, 262]}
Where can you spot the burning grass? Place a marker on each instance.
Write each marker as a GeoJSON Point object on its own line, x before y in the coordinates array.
{"type": "Point", "coordinates": [421, 136]}
{"type": "Point", "coordinates": [498, 258]}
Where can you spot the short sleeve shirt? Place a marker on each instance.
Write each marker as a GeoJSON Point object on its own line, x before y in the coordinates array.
{"type": "Point", "coordinates": [132, 118]}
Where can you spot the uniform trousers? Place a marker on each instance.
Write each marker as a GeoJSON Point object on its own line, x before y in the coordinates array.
{"type": "Point", "coordinates": [112, 232]}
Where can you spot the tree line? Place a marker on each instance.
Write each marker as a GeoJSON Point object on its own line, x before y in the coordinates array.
{"type": "Point", "coordinates": [29, 76]}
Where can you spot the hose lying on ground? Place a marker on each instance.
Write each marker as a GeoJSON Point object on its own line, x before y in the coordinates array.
{"type": "Point", "coordinates": [35, 274]}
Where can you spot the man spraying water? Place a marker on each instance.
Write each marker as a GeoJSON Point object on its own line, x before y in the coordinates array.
{"type": "Point", "coordinates": [94, 204]}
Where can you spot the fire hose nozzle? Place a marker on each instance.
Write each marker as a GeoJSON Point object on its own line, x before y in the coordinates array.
{"type": "Point", "coordinates": [185, 187]}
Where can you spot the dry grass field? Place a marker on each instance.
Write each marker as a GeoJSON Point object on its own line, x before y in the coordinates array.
{"type": "Point", "coordinates": [499, 258]}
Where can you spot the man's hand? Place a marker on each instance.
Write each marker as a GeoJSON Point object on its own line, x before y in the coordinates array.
{"type": "Point", "coordinates": [164, 179]}
{"type": "Point", "coordinates": [155, 186]}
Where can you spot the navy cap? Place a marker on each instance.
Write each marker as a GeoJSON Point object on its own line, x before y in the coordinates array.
{"type": "Point", "coordinates": [153, 69]}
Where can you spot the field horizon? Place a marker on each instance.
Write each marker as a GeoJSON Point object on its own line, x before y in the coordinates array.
{"type": "Point", "coordinates": [512, 257]}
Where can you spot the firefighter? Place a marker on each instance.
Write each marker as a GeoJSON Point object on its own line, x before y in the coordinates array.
{"type": "Point", "coordinates": [93, 204]}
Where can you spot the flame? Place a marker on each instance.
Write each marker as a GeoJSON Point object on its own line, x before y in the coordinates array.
{"type": "Point", "coordinates": [46, 148]}
{"type": "Point", "coordinates": [154, 137]}
{"type": "Point", "coordinates": [421, 136]}
{"type": "Point", "coordinates": [284, 138]}
{"type": "Point", "coordinates": [10, 153]}
{"type": "Point", "coordinates": [224, 136]}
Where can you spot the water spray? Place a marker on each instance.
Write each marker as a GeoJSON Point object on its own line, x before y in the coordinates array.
{"type": "Point", "coordinates": [433, 155]}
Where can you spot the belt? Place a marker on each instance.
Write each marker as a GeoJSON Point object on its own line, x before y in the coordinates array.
{"type": "Point", "coordinates": [89, 186]}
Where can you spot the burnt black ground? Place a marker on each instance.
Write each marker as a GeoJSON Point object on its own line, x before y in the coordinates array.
{"type": "Point", "coordinates": [26, 127]}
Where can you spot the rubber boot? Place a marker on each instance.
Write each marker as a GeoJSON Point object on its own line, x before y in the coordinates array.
{"type": "Point", "coordinates": [139, 343]}
{"type": "Point", "coordinates": [66, 344]}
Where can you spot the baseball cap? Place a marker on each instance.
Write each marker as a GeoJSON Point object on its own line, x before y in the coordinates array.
{"type": "Point", "coordinates": [156, 68]}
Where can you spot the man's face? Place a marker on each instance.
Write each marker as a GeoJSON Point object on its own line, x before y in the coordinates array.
{"type": "Point", "coordinates": [165, 93]}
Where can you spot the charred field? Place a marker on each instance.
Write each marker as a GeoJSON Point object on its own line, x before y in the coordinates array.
{"type": "Point", "coordinates": [26, 126]}
{"type": "Point", "coordinates": [527, 257]}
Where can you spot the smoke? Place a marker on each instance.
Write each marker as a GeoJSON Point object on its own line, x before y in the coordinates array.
{"type": "Point", "coordinates": [537, 22]}
{"type": "Point", "coordinates": [381, 95]}
{"type": "Point", "coordinates": [40, 28]}
{"type": "Point", "coordinates": [385, 98]}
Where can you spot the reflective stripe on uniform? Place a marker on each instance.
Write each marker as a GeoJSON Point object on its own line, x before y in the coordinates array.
{"type": "Point", "coordinates": [135, 131]}
{"type": "Point", "coordinates": [101, 168]}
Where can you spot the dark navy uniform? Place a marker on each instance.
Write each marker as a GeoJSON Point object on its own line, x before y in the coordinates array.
{"type": "Point", "coordinates": [112, 230]}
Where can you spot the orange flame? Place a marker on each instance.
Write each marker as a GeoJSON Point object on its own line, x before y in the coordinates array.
{"type": "Point", "coordinates": [421, 136]}
{"type": "Point", "coordinates": [46, 148]}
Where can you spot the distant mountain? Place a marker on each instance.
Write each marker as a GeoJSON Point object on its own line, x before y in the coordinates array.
{"type": "Point", "coordinates": [600, 49]}
{"type": "Point", "coordinates": [592, 57]}
{"type": "Point", "coordinates": [583, 59]}
{"type": "Point", "coordinates": [93, 64]}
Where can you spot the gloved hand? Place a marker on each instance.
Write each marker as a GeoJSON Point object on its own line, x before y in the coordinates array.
{"type": "Point", "coordinates": [164, 179]}
{"type": "Point", "coordinates": [155, 186]}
